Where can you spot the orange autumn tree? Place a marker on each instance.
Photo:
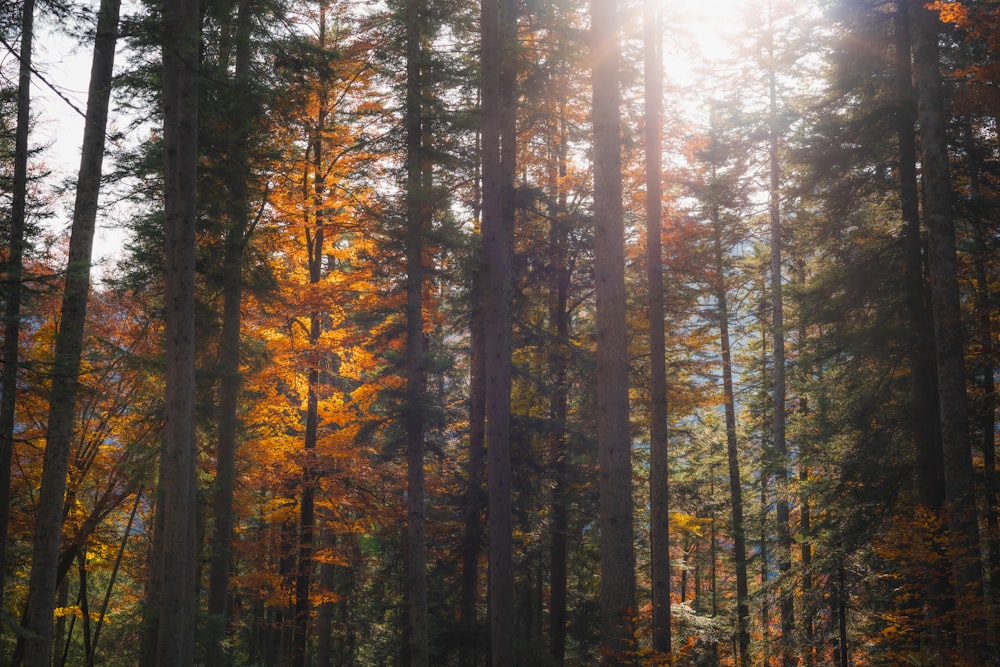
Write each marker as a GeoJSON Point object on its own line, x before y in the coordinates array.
{"type": "Point", "coordinates": [311, 391]}
{"type": "Point", "coordinates": [109, 480]}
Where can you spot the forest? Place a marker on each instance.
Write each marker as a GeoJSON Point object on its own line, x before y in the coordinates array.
{"type": "Point", "coordinates": [510, 332]}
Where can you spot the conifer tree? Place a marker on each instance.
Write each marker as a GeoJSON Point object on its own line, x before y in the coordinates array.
{"type": "Point", "coordinates": [69, 346]}
{"type": "Point", "coordinates": [615, 460]}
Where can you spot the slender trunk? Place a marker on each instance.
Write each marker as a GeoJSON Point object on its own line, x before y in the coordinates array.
{"type": "Point", "coordinates": [83, 598]}
{"type": "Point", "coordinates": [805, 552]}
{"type": "Point", "coordinates": [498, 249]}
{"type": "Point", "coordinates": [959, 477]}
{"type": "Point", "coordinates": [315, 222]}
{"type": "Point", "coordinates": [985, 367]}
{"type": "Point", "coordinates": [229, 354]}
{"type": "Point", "coordinates": [327, 583]}
{"type": "Point", "coordinates": [418, 221]}
{"type": "Point", "coordinates": [559, 322]}
{"type": "Point", "coordinates": [114, 570]}
{"type": "Point", "coordinates": [925, 421]}
{"type": "Point", "coordinates": [12, 279]}
{"type": "Point", "coordinates": [614, 445]}
{"type": "Point", "coordinates": [765, 551]}
{"type": "Point", "coordinates": [659, 496]}
{"type": "Point", "coordinates": [474, 495]}
{"type": "Point", "coordinates": [69, 348]}
{"type": "Point", "coordinates": [558, 440]}
{"type": "Point", "coordinates": [176, 564]}
{"type": "Point", "coordinates": [841, 651]}
{"type": "Point", "coordinates": [987, 425]}
{"type": "Point", "coordinates": [732, 451]}
{"type": "Point", "coordinates": [779, 396]}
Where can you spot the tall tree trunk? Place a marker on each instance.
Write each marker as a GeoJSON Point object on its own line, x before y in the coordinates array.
{"type": "Point", "coordinates": [614, 445]}
{"type": "Point", "coordinates": [558, 440]}
{"type": "Point", "coordinates": [327, 583]}
{"type": "Point", "coordinates": [925, 419]}
{"type": "Point", "coordinates": [558, 366]}
{"type": "Point", "coordinates": [12, 279]}
{"type": "Point", "coordinates": [139, 497]}
{"type": "Point", "coordinates": [418, 223]}
{"type": "Point", "coordinates": [959, 478]}
{"type": "Point", "coordinates": [69, 348]}
{"type": "Point", "coordinates": [841, 650]}
{"type": "Point", "coordinates": [765, 552]}
{"type": "Point", "coordinates": [315, 223]}
{"type": "Point", "coordinates": [780, 444]}
{"type": "Point", "coordinates": [985, 365]}
{"type": "Point", "coordinates": [475, 496]}
{"type": "Point", "coordinates": [987, 426]}
{"type": "Point", "coordinates": [659, 496]}
{"type": "Point", "coordinates": [732, 450]}
{"type": "Point", "coordinates": [498, 159]}
{"type": "Point", "coordinates": [229, 350]}
{"type": "Point", "coordinates": [175, 563]}
{"type": "Point", "coordinates": [805, 547]}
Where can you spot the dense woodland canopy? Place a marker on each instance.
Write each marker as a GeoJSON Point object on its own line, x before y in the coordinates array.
{"type": "Point", "coordinates": [457, 333]}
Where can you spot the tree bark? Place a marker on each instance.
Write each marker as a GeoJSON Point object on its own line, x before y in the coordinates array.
{"type": "Point", "coordinates": [498, 159]}
{"type": "Point", "coordinates": [13, 270]}
{"type": "Point", "coordinates": [238, 169]}
{"type": "Point", "coordinates": [69, 347]}
{"type": "Point", "coordinates": [659, 496]}
{"type": "Point", "coordinates": [959, 477]}
{"type": "Point", "coordinates": [779, 397]}
{"type": "Point", "coordinates": [418, 223]}
{"type": "Point", "coordinates": [175, 564]}
{"type": "Point", "coordinates": [614, 444]}
{"type": "Point", "coordinates": [475, 496]}
{"type": "Point", "coordinates": [732, 451]}
{"type": "Point", "coordinates": [925, 421]}
{"type": "Point", "coordinates": [558, 439]}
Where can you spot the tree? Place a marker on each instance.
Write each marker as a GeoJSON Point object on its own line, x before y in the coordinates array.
{"type": "Point", "coordinates": [963, 523]}
{"type": "Point", "coordinates": [779, 442]}
{"type": "Point", "coordinates": [174, 566]}
{"type": "Point", "coordinates": [723, 193]}
{"type": "Point", "coordinates": [418, 218]}
{"type": "Point", "coordinates": [13, 269]}
{"type": "Point", "coordinates": [236, 238]}
{"type": "Point", "coordinates": [498, 159]}
{"type": "Point", "coordinates": [615, 459]}
{"type": "Point", "coordinates": [69, 347]}
{"type": "Point", "coordinates": [659, 489]}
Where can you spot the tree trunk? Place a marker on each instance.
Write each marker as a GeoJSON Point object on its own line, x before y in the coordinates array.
{"type": "Point", "coordinates": [985, 363]}
{"type": "Point", "coordinates": [559, 444]}
{"type": "Point", "coordinates": [315, 223]}
{"type": "Point", "coordinates": [659, 496]}
{"type": "Point", "coordinates": [498, 247]}
{"type": "Point", "coordinates": [779, 392]}
{"type": "Point", "coordinates": [959, 478]}
{"type": "Point", "coordinates": [474, 495]}
{"type": "Point", "coordinates": [12, 280]}
{"type": "Point", "coordinates": [69, 348]}
{"type": "Point", "coordinates": [732, 451]}
{"type": "Point", "coordinates": [925, 419]}
{"type": "Point", "coordinates": [418, 222]}
{"type": "Point", "coordinates": [229, 352]}
{"type": "Point", "coordinates": [614, 444]}
{"type": "Point", "coordinates": [175, 565]}
{"type": "Point", "coordinates": [327, 584]}
{"type": "Point", "coordinates": [764, 555]}
{"type": "Point", "coordinates": [558, 439]}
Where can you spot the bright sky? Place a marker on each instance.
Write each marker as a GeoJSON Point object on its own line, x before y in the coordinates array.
{"type": "Point", "coordinates": [710, 25]}
{"type": "Point", "coordinates": [67, 67]}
